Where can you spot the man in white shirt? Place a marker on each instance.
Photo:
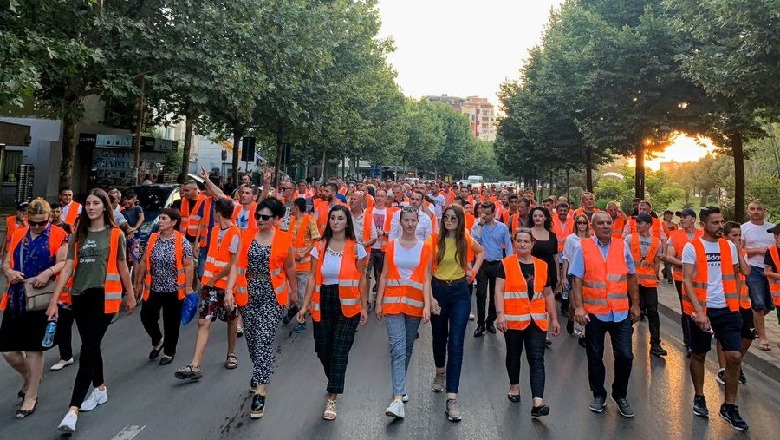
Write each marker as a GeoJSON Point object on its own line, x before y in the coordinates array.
{"type": "Point", "coordinates": [425, 225]}
{"type": "Point", "coordinates": [757, 241]}
{"type": "Point", "coordinates": [359, 219]}
{"type": "Point", "coordinates": [711, 303]}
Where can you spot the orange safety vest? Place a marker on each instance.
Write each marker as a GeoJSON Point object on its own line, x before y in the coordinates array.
{"type": "Point", "coordinates": [391, 210]}
{"type": "Point", "coordinates": [369, 201]}
{"type": "Point", "coordinates": [469, 253]}
{"type": "Point", "coordinates": [744, 294]}
{"type": "Point", "coordinates": [218, 255]}
{"type": "Point", "coordinates": [73, 213]}
{"type": "Point", "coordinates": [774, 285]}
{"type": "Point", "coordinates": [251, 220]}
{"type": "Point", "coordinates": [405, 295]}
{"type": "Point", "coordinates": [299, 243]}
{"type": "Point", "coordinates": [368, 226]}
{"type": "Point", "coordinates": [343, 191]}
{"type": "Point", "coordinates": [204, 223]}
{"type": "Point", "coordinates": [56, 237]}
{"type": "Point", "coordinates": [322, 208]}
{"type": "Point", "coordinates": [618, 224]}
{"type": "Point", "coordinates": [178, 255]}
{"type": "Point", "coordinates": [349, 281]}
{"type": "Point", "coordinates": [190, 219]}
{"type": "Point", "coordinates": [280, 250]}
{"type": "Point", "coordinates": [521, 304]}
{"type": "Point", "coordinates": [113, 287]}
{"type": "Point", "coordinates": [679, 240]}
{"type": "Point", "coordinates": [10, 228]}
{"type": "Point", "coordinates": [667, 229]}
{"type": "Point", "coordinates": [562, 232]}
{"type": "Point", "coordinates": [700, 280]}
{"type": "Point", "coordinates": [470, 220]}
{"type": "Point", "coordinates": [605, 283]}
{"type": "Point", "coordinates": [645, 267]}
{"type": "Point", "coordinates": [581, 210]}
{"type": "Point", "coordinates": [514, 224]}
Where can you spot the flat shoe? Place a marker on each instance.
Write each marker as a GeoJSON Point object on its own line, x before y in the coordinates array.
{"type": "Point", "coordinates": [165, 360]}
{"type": "Point", "coordinates": [155, 353]}
{"type": "Point", "coordinates": [514, 398]}
{"type": "Point", "coordinates": [22, 413]}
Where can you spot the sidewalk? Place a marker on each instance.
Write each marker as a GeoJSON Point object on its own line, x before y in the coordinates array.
{"type": "Point", "coordinates": [767, 362]}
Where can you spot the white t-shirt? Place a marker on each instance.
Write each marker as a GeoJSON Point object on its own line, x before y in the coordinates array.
{"type": "Point", "coordinates": [331, 266]}
{"type": "Point", "coordinates": [379, 223]}
{"type": "Point", "coordinates": [570, 246]}
{"type": "Point", "coordinates": [407, 260]}
{"type": "Point", "coordinates": [357, 223]}
{"type": "Point", "coordinates": [242, 220]}
{"type": "Point", "coordinates": [716, 297]}
{"type": "Point", "coordinates": [755, 236]}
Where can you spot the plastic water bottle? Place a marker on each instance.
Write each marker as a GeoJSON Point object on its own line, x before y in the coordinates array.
{"type": "Point", "coordinates": [579, 330]}
{"type": "Point", "coordinates": [48, 337]}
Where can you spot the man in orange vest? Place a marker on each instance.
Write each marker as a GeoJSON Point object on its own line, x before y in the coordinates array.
{"type": "Point", "coordinates": [674, 248]}
{"type": "Point", "coordinates": [520, 218]}
{"type": "Point", "coordinates": [322, 207]}
{"type": "Point", "coordinates": [619, 219]}
{"type": "Point", "coordinates": [646, 251]}
{"type": "Point", "coordinates": [772, 265]}
{"type": "Point", "coordinates": [587, 205]}
{"type": "Point", "coordinates": [222, 254]}
{"type": "Point", "coordinates": [14, 222]}
{"type": "Point", "coordinates": [711, 304]}
{"type": "Point", "coordinates": [70, 208]}
{"type": "Point", "coordinates": [362, 220]}
{"type": "Point", "coordinates": [605, 284]}
{"type": "Point", "coordinates": [656, 229]}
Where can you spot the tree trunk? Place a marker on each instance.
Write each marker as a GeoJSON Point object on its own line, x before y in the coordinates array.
{"type": "Point", "coordinates": [589, 168]}
{"type": "Point", "coordinates": [238, 133]}
{"type": "Point", "coordinates": [639, 180]}
{"type": "Point", "coordinates": [69, 141]}
{"type": "Point", "coordinates": [189, 129]}
{"type": "Point", "coordinates": [323, 174]}
{"type": "Point", "coordinates": [739, 176]}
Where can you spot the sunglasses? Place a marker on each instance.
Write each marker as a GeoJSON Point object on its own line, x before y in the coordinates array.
{"type": "Point", "coordinates": [38, 224]}
{"type": "Point", "coordinates": [450, 217]}
{"type": "Point", "coordinates": [263, 217]}
{"type": "Point", "coordinates": [582, 223]}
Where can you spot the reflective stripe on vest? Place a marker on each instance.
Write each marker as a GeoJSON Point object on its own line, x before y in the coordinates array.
{"type": "Point", "coordinates": [774, 285]}
{"type": "Point", "coordinates": [280, 251]}
{"type": "Point", "coordinates": [604, 284]}
{"type": "Point", "coordinates": [521, 303]}
{"type": "Point", "coordinates": [178, 256]}
{"type": "Point", "coordinates": [406, 295]}
{"type": "Point", "coordinates": [645, 267]}
{"type": "Point", "coordinates": [700, 281]}
{"type": "Point", "coordinates": [218, 256]}
{"type": "Point", "coordinates": [113, 286]}
{"type": "Point", "coordinates": [348, 283]}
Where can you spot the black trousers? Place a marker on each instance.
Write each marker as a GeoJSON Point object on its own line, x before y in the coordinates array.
{"type": "Point", "coordinates": [92, 322]}
{"type": "Point", "coordinates": [533, 338]}
{"type": "Point", "coordinates": [486, 283]}
{"type": "Point", "coordinates": [64, 334]}
{"type": "Point", "coordinates": [683, 321]}
{"type": "Point", "coordinates": [171, 312]}
{"type": "Point", "coordinates": [377, 263]}
{"type": "Point", "coordinates": [620, 333]}
{"type": "Point", "coordinates": [648, 299]}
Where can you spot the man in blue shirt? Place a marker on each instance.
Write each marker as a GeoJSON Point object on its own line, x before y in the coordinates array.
{"type": "Point", "coordinates": [614, 322]}
{"type": "Point", "coordinates": [494, 237]}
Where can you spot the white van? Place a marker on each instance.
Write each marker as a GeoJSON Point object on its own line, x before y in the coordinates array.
{"type": "Point", "coordinates": [476, 181]}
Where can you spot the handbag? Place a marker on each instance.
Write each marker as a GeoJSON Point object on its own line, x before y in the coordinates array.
{"type": "Point", "coordinates": [35, 298]}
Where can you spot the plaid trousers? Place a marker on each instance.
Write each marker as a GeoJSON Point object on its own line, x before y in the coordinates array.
{"type": "Point", "coordinates": [333, 338]}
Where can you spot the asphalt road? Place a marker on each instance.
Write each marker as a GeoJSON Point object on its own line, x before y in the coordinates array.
{"type": "Point", "coordinates": [147, 402]}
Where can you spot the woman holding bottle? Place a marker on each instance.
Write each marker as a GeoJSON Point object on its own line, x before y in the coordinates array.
{"type": "Point", "coordinates": [570, 246]}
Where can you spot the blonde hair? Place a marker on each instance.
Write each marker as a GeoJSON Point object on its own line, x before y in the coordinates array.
{"type": "Point", "coordinates": [38, 206]}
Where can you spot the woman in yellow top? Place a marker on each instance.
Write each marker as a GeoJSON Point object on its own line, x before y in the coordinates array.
{"type": "Point", "coordinates": [453, 255]}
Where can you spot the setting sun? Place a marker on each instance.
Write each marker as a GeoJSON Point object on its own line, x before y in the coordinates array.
{"type": "Point", "coordinates": [683, 148]}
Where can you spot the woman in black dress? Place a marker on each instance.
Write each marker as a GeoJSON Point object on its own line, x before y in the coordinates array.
{"type": "Point", "coordinates": [545, 243]}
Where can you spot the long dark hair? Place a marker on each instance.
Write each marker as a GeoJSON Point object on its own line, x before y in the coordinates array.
{"type": "Point", "coordinates": [349, 231]}
{"type": "Point", "coordinates": [460, 237]}
{"type": "Point", "coordinates": [108, 215]}
{"type": "Point", "coordinates": [547, 217]}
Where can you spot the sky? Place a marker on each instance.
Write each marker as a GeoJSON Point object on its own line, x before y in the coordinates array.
{"type": "Point", "coordinates": [459, 47]}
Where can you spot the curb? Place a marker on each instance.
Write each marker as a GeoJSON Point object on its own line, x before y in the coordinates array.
{"type": "Point", "coordinates": [763, 366]}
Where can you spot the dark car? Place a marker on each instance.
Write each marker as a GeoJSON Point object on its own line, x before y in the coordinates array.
{"type": "Point", "coordinates": [153, 198]}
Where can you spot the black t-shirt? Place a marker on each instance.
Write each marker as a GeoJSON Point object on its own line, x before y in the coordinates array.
{"type": "Point", "coordinates": [769, 262]}
{"type": "Point", "coordinates": [526, 269]}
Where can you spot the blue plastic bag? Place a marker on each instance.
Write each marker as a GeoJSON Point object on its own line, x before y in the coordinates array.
{"type": "Point", "coordinates": [189, 307]}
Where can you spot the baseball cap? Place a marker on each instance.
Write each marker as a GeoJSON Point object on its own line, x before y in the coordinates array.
{"type": "Point", "coordinates": [644, 218]}
{"type": "Point", "coordinates": [687, 212]}
{"type": "Point", "coordinates": [774, 229]}
{"type": "Point", "coordinates": [23, 205]}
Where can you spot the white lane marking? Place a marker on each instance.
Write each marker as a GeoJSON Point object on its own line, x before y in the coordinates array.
{"type": "Point", "coordinates": [129, 432]}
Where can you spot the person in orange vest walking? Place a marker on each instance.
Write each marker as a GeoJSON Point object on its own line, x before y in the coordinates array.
{"type": "Point", "coordinates": [711, 304]}
{"type": "Point", "coordinates": [260, 284]}
{"type": "Point", "coordinates": [646, 251]}
{"type": "Point", "coordinates": [92, 280]}
{"type": "Point", "coordinates": [669, 226]}
{"type": "Point", "coordinates": [525, 306]}
{"type": "Point", "coordinates": [382, 219]}
{"type": "Point", "coordinates": [403, 300]}
{"type": "Point", "coordinates": [222, 255]}
{"type": "Point", "coordinates": [674, 247]}
{"type": "Point", "coordinates": [772, 265]}
{"type": "Point", "coordinates": [363, 220]}
{"type": "Point", "coordinates": [337, 297]}
{"type": "Point", "coordinates": [619, 219]}
{"type": "Point", "coordinates": [36, 255]}
{"type": "Point", "coordinates": [14, 222]}
{"type": "Point", "coordinates": [587, 206]}
{"type": "Point", "coordinates": [604, 285]}
{"type": "Point", "coordinates": [656, 229]}
{"type": "Point", "coordinates": [304, 232]}
{"type": "Point", "coordinates": [323, 206]}
{"type": "Point", "coordinates": [164, 275]}
{"type": "Point", "coordinates": [71, 209]}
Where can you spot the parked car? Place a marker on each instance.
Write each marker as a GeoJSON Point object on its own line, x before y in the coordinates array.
{"type": "Point", "coordinates": [153, 198]}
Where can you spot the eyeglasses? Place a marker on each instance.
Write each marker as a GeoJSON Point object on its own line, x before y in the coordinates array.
{"type": "Point", "coordinates": [263, 217]}
{"type": "Point", "coordinates": [450, 217]}
{"type": "Point", "coordinates": [38, 224]}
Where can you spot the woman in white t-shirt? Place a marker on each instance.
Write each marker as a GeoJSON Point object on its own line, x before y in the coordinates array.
{"type": "Point", "coordinates": [337, 297]}
{"type": "Point", "coordinates": [570, 246]}
{"type": "Point", "coordinates": [404, 300]}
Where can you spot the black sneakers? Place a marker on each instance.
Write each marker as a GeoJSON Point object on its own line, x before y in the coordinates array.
{"type": "Point", "coordinates": [540, 411]}
{"type": "Point", "coordinates": [479, 332]}
{"type": "Point", "coordinates": [730, 413]}
{"type": "Point", "coordinates": [657, 350]}
{"type": "Point", "coordinates": [599, 402]}
{"type": "Point", "coordinates": [700, 407]}
{"type": "Point", "coordinates": [258, 406]}
{"type": "Point", "coordinates": [624, 407]}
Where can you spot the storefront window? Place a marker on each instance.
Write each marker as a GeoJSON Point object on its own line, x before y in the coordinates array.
{"type": "Point", "coordinates": [11, 166]}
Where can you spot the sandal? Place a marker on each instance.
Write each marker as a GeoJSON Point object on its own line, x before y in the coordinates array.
{"type": "Point", "coordinates": [231, 363]}
{"type": "Point", "coordinates": [189, 372]}
{"type": "Point", "coordinates": [764, 346]}
{"type": "Point", "coordinates": [330, 410]}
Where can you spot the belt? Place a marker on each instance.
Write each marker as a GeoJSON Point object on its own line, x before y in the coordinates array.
{"type": "Point", "coordinates": [258, 276]}
{"type": "Point", "coordinates": [491, 261]}
{"type": "Point", "coordinates": [449, 282]}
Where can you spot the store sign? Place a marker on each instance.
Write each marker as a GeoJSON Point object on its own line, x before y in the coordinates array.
{"type": "Point", "coordinates": [114, 141]}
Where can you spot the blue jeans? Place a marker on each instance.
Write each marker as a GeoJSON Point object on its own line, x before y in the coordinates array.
{"type": "Point", "coordinates": [758, 288]}
{"type": "Point", "coordinates": [401, 333]}
{"type": "Point", "coordinates": [620, 333]}
{"type": "Point", "coordinates": [449, 328]}
{"type": "Point", "coordinates": [202, 253]}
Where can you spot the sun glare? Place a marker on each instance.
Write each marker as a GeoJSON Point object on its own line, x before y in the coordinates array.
{"type": "Point", "coordinates": [683, 148]}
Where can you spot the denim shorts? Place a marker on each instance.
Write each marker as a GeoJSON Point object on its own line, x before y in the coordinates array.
{"type": "Point", "coordinates": [726, 327]}
{"type": "Point", "coordinates": [758, 287]}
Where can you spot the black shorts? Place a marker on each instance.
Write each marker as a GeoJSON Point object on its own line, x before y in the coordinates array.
{"type": "Point", "coordinates": [748, 328]}
{"type": "Point", "coordinates": [726, 328]}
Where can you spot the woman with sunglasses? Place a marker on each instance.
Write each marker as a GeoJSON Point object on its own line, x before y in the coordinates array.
{"type": "Point", "coordinates": [525, 309]}
{"type": "Point", "coordinates": [570, 246]}
{"type": "Point", "coordinates": [166, 273]}
{"type": "Point", "coordinates": [337, 297]}
{"type": "Point", "coordinates": [260, 284]}
{"type": "Point", "coordinates": [94, 274]}
{"type": "Point", "coordinates": [36, 255]}
{"type": "Point", "coordinates": [404, 300]}
{"type": "Point", "coordinates": [457, 257]}
{"type": "Point", "coordinates": [545, 242]}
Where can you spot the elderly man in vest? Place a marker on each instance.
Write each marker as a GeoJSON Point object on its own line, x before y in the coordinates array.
{"type": "Point", "coordinates": [711, 304]}
{"type": "Point", "coordinates": [605, 290]}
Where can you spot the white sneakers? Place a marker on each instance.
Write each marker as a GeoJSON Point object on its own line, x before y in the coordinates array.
{"type": "Point", "coordinates": [96, 398]}
{"type": "Point", "coordinates": [68, 423]}
{"type": "Point", "coordinates": [396, 409]}
{"type": "Point", "coordinates": [61, 364]}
